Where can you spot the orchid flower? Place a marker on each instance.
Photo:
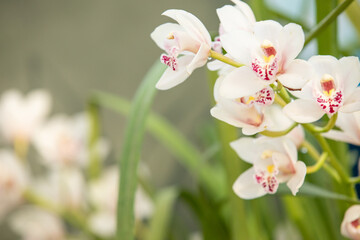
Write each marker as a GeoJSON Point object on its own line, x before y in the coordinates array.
{"type": "Point", "coordinates": [350, 126]}
{"type": "Point", "coordinates": [33, 223]}
{"type": "Point", "coordinates": [63, 187]}
{"type": "Point", "coordinates": [268, 54]}
{"type": "Point", "coordinates": [250, 113]}
{"type": "Point", "coordinates": [63, 141]}
{"type": "Point", "coordinates": [274, 161]}
{"type": "Point", "coordinates": [187, 45]}
{"type": "Point", "coordinates": [13, 181]}
{"type": "Point", "coordinates": [350, 226]}
{"type": "Point", "coordinates": [20, 116]}
{"type": "Point", "coordinates": [104, 199]}
{"type": "Point", "coordinates": [332, 88]}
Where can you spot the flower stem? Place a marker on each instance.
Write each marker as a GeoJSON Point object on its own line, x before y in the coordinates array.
{"type": "Point", "coordinates": [73, 218]}
{"type": "Point", "coordinates": [278, 133]}
{"type": "Point", "coordinates": [224, 59]}
{"type": "Point", "coordinates": [318, 164]}
{"type": "Point", "coordinates": [330, 124]}
{"type": "Point", "coordinates": [316, 155]}
{"type": "Point", "coordinates": [327, 20]}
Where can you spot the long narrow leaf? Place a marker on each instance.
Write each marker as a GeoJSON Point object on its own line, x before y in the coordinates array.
{"type": "Point", "coordinates": [160, 222]}
{"type": "Point", "coordinates": [173, 140]}
{"type": "Point", "coordinates": [131, 152]}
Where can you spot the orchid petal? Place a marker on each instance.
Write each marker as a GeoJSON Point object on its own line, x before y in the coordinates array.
{"type": "Point", "coordinates": [232, 19]}
{"type": "Point", "coordinates": [246, 10]}
{"type": "Point", "coordinates": [352, 103]}
{"type": "Point", "coordinates": [303, 111]}
{"type": "Point", "coordinates": [296, 74]}
{"type": "Point", "coordinates": [191, 24]}
{"type": "Point", "coordinates": [267, 30]}
{"type": "Point", "coordinates": [297, 180]}
{"type": "Point", "coordinates": [241, 82]}
{"type": "Point", "coordinates": [323, 65]}
{"type": "Point", "coordinates": [246, 187]}
{"type": "Point", "coordinates": [240, 52]}
{"type": "Point", "coordinates": [290, 150]}
{"type": "Point", "coordinates": [200, 58]}
{"type": "Point", "coordinates": [291, 40]}
{"type": "Point", "coordinates": [171, 78]}
{"type": "Point", "coordinates": [349, 72]}
{"type": "Point", "coordinates": [351, 215]}
{"type": "Point", "coordinates": [162, 32]}
{"type": "Point", "coordinates": [246, 148]}
{"type": "Point", "coordinates": [341, 136]}
{"type": "Point", "coordinates": [225, 116]}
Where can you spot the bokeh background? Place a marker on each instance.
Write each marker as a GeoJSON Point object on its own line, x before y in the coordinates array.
{"type": "Point", "coordinates": [72, 48]}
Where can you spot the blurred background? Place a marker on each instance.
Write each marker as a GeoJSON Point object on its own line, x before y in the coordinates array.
{"type": "Point", "coordinates": [72, 48]}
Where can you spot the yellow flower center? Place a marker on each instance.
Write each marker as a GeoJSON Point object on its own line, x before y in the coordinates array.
{"type": "Point", "coordinates": [327, 85]}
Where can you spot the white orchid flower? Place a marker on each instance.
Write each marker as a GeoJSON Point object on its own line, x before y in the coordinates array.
{"type": "Point", "coordinates": [268, 54]}
{"type": "Point", "coordinates": [63, 187]}
{"type": "Point", "coordinates": [332, 88]}
{"type": "Point", "coordinates": [21, 116]}
{"type": "Point", "coordinates": [103, 196]}
{"type": "Point", "coordinates": [187, 45]}
{"type": "Point", "coordinates": [274, 161]}
{"type": "Point", "coordinates": [350, 226]}
{"type": "Point", "coordinates": [13, 181]}
{"type": "Point", "coordinates": [350, 128]}
{"type": "Point", "coordinates": [33, 223]}
{"type": "Point", "coordinates": [251, 113]}
{"type": "Point", "coordinates": [63, 141]}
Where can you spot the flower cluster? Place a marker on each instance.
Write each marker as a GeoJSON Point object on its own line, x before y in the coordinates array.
{"type": "Point", "coordinates": [45, 172]}
{"type": "Point", "coordinates": [263, 88]}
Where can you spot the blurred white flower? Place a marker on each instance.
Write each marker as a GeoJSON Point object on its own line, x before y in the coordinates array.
{"type": "Point", "coordinates": [33, 223]}
{"type": "Point", "coordinates": [21, 116]}
{"type": "Point", "coordinates": [103, 196]}
{"type": "Point", "coordinates": [63, 187]}
{"type": "Point", "coordinates": [350, 226]}
{"type": "Point", "coordinates": [63, 141]}
{"type": "Point", "coordinates": [274, 161]}
{"type": "Point", "coordinates": [13, 181]}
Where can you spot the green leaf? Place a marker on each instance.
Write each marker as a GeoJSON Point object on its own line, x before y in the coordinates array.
{"type": "Point", "coordinates": [131, 151]}
{"type": "Point", "coordinates": [160, 221]}
{"type": "Point", "coordinates": [311, 190]}
{"type": "Point", "coordinates": [173, 140]}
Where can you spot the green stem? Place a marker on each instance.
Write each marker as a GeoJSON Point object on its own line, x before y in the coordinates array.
{"type": "Point", "coordinates": [318, 164]}
{"type": "Point", "coordinates": [330, 124]}
{"type": "Point", "coordinates": [316, 155]}
{"type": "Point", "coordinates": [278, 133]}
{"type": "Point", "coordinates": [73, 218]}
{"type": "Point", "coordinates": [327, 20]}
{"type": "Point", "coordinates": [224, 59]}
{"type": "Point", "coordinates": [333, 159]}
{"type": "Point", "coordinates": [354, 180]}
{"type": "Point", "coordinates": [94, 169]}
{"type": "Point", "coordinates": [279, 100]}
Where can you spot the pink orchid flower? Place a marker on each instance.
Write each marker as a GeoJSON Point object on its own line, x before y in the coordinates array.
{"type": "Point", "coordinates": [187, 45]}
{"type": "Point", "coordinates": [274, 161]}
{"type": "Point", "coordinates": [332, 87]}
